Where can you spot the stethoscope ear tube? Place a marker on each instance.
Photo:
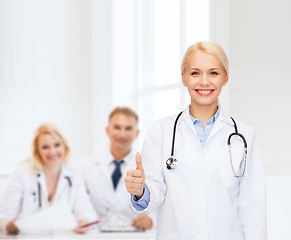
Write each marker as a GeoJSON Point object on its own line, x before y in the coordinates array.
{"type": "Point", "coordinates": [39, 191]}
{"type": "Point", "coordinates": [244, 161]}
{"type": "Point", "coordinates": [174, 134]}
{"type": "Point", "coordinates": [241, 136]}
{"type": "Point", "coordinates": [172, 162]}
{"type": "Point", "coordinates": [69, 181]}
{"type": "Point", "coordinates": [238, 134]}
{"type": "Point", "coordinates": [39, 194]}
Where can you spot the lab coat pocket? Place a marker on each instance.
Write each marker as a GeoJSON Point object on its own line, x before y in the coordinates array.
{"type": "Point", "coordinates": [30, 203]}
{"type": "Point", "coordinates": [31, 198]}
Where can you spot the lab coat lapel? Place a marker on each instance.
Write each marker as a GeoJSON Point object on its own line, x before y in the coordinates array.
{"type": "Point", "coordinates": [106, 169]}
{"type": "Point", "coordinates": [107, 172]}
{"type": "Point", "coordinates": [102, 165]}
{"type": "Point", "coordinates": [222, 119]}
{"type": "Point", "coordinates": [185, 118]}
{"type": "Point", "coordinates": [63, 181]}
{"type": "Point", "coordinates": [121, 193]}
{"type": "Point", "coordinates": [104, 177]}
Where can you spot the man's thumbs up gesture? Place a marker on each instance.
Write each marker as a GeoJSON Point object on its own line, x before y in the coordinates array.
{"type": "Point", "coordinates": [135, 179]}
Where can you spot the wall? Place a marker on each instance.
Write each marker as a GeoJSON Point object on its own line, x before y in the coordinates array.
{"type": "Point", "coordinates": [45, 75]}
{"type": "Point", "coordinates": [260, 61]}
{"type": "Point", "coordinates": [258, 45]}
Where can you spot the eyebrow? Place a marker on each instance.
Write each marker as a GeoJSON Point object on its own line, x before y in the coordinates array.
{"type": "Point", "coordinates": [216, 68]}
{"type": "Point", "coordinates": [194, 68]}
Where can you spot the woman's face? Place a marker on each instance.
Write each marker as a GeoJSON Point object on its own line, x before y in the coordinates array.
{"type": "Point", "coordinates": [51, 150]}
{"type": "Point", "coordinates": [204, 77]}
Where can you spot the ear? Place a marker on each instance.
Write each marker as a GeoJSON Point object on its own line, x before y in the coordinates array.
{"type": "Point", "coordinates": [107, 130]}
{"type": "Point", "coordinates": [137, 133]}
{"type": "Point", "coordinates": [225, 80]}
{"type": "Point", "coordinates": [183, 79]}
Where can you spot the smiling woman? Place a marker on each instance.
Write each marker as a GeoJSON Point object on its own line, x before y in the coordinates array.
{"type": "Point", "coordinates": [51, 150]}
{"type": "Point", "coordinates": [204, 73]}
{"type": "Point", "coordinates": [43, 180]}
{"type": "Point", "coordinates": [49, 145]}
{"type": "Point", "coordinates": [201, 191]}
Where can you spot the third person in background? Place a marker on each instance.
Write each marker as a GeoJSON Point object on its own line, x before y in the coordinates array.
{"type": "Point", "coordinates": [43, 180]}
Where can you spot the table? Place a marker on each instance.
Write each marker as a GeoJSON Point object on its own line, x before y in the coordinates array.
{"type": "Point", "coordinates": [92, 234]}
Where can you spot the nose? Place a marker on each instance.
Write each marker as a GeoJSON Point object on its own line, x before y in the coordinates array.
{"type": "Point", "coordinates": [122, 133]}
{"type": "Point", "coordinates": [204, 80]}
{"type": "Point", "coordinates": [52, 151]}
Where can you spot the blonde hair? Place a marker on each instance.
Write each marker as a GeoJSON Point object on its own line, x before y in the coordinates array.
{"type": "Point", "coordinates": [207, 47]}
{"type": "Point", "coordinates": [47, 128]}
{"type": "Point", "coordinates": [124, 110]}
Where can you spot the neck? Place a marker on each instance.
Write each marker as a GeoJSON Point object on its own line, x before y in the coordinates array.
{"type": "Point", "coordinates": [52, 171]}
{"type": "Point", "coordinates": [119, 154]}
{"type": "Point", "coordinates": [204, 112]}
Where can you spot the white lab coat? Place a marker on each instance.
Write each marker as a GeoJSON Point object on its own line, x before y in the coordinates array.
{"type": "Point", "coordinates": [113, 207]}
{"type": "Point", "coordinates": [20, 199]}
{"type": "Point", "coordinates": [201, 199]}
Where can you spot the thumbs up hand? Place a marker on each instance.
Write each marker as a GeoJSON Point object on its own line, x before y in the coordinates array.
{"type": "Point", "coordinates": [135, 179]}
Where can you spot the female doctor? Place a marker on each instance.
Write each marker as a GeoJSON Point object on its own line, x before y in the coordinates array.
{"type": "Point", "coordinates": [201, 189]}
{"type": "Point", "coordinates": [43, 180]}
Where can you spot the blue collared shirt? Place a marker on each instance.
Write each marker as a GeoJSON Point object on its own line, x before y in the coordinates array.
{"type": "Point", "coordinates": [203, 135]}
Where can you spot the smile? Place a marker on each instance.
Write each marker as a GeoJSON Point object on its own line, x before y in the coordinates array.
{"type": "Point", "coordinates": [204, 92]}
{"type": "Point", "coordinates": [54, 157]}
{"type": "Point", "coordinates": [122, 141]}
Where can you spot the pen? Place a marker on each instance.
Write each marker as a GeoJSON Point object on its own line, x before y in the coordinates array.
{"type": "Point", "coordinates": [89, 224]}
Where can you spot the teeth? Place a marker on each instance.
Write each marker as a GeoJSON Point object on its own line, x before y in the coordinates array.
{"type": "Point", "coordinates": [205, 91]}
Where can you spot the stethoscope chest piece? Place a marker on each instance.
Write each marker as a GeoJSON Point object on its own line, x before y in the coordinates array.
{"type": "Point", "coordinates": [171, 163]}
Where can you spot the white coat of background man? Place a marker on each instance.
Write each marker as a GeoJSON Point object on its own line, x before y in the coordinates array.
{"type": "Point", "coordinates": [104, 174]}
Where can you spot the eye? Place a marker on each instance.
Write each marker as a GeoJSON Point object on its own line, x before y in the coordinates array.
{"type": "Point", "coordinates": [195, 73]}
{"type": "Point", "coordinates": [116, 127]}
{"type": "Point", "coordinates": [57, 144]}
{"type": "Point", "coordinates": [44, 147]}
{"type": "Point", "coordinates": [213, 73]}
{"type": "Point", "coordinates": [128, 128]}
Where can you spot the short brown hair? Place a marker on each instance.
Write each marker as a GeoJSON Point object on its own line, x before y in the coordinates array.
{"type": "Point", "coordinates": [123, 110]}
{"type": "Point", "coordinates": [47, 128]}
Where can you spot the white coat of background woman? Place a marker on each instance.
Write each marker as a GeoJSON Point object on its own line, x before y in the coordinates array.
{"type": "Point", "coordinates": [199, 197]}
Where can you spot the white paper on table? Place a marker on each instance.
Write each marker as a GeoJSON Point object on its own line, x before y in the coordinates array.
{"type": "Point", "coordinates": [57, 217]}
{"type": "Point", "coordinates": [106, 228]}
{"type": "Point", "coordinates": [113, 224]}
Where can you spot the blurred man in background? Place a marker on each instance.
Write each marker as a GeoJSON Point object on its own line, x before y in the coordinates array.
{"type": "Point", "coordinates": [104, 175]}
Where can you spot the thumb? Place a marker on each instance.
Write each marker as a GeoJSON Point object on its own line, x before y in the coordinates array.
{"type": "Point", "coordinates": [138, 161]}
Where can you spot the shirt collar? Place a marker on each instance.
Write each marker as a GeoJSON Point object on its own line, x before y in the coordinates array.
{"type": "Point", "coordinates": [65, 172]}
{"type": "Point", "coordinates": [212, 119]}
{"type": "Point", "coordinates": [126, 159]}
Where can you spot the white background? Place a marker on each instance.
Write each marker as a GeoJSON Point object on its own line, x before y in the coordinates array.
{"type": "Point", "coordinates": [70, 62]}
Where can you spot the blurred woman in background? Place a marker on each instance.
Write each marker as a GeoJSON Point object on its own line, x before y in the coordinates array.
{"type": "Point", "coordinates": [43, 180]}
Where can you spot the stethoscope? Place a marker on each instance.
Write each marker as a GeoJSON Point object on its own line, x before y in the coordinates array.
{"type": "Point", "coordinates": [39, 188]}
{"type": "Point", "coordinates": [172, 162]}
